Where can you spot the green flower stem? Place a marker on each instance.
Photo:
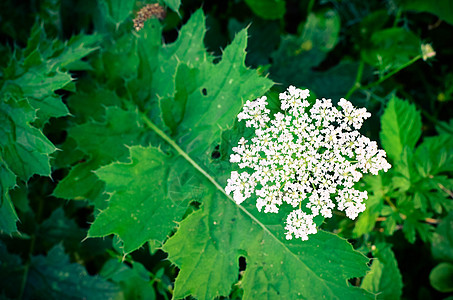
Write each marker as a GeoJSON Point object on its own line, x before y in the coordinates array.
{"type": "Point", "coordinates": [390, 203]}
{"type": "Point", "coordinates": [358, 78]}
{"type": "Point", "coordinates": [397, 18]}
{"type": "Point", "coordinates": [357, 84]}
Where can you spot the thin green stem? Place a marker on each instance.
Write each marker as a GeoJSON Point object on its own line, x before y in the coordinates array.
{"type": "Point", "coordinates": [358, 78]}
{"type": "Point", "coordinates": [310, 7]}
{"type": "Point", "coordinates": [27, 268]}
{"type": "Point", "coordinates": [357, 84]}
{"type": "Point", "coordinates": [31, 250]}
{"type": "Point", "coordinates": [397, 18]}
{"type": "Point", "coordinates": [390, 74]}
{"type": "Point", "coordinates": [390, 203]}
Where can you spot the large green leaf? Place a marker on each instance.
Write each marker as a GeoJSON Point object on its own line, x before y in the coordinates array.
{"type": "Point", "coordinates": [384, 279]}
{"type": "Point", "coordinates": [401, 126]}
{"type": "Point", "coordinates": [222, 87]}
{"type": "Point", "coordinates": [213, 238]}
{"type": "Point", "coordinates": [150, 193]}
{"type": "Point", "coordinates": [211, 96]}
{"type": "Point", "coordinates": [27, 92]}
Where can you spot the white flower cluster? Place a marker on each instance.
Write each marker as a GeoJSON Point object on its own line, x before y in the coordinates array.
{"type": "Point", "coordinates": [309, 157]}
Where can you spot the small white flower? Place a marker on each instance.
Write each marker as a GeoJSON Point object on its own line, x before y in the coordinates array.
{"type": "Point", "coordinates": [308, 156]}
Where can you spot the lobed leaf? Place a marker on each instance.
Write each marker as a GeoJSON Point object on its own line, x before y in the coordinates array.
{"type": "Point", "coordinates": [198, 128]}
{"type": "Point", "coordinates": [144, 197]}
{"type": "Point", "coordinates": [24, 148]}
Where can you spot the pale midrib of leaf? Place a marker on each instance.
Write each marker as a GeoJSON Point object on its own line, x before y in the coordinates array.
{"type": "Point", "coordinates": [219, 187]}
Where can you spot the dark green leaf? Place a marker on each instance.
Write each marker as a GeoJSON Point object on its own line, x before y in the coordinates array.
{"type": "Point", "coordinates": [441, 277]}
{"type": "Point", "coordinates": [435, 155]}
{"type": "Point", "coordinates": [442, 242]}
{"type": "Point", "coordinates": [51, 277]}
{"type": "Point", "coordinates": [54, 277]}
{"type": "Point", "coordinates": [24, 148]}
{"type": "Point", "coordinates": [135, 282]}
{"type": "Point", "coordinates": [441, 8]}
{"type": "Point", "coordinates": [8, 216]}
{"type": "Point", "coordinates": [267, 9]}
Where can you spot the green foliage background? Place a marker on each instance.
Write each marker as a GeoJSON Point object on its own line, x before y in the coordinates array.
{"type": "Point", "coordinates": [114, 148]}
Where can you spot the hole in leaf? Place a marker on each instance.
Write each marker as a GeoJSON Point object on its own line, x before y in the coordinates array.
{"type": "Point", "coordinates": [216, 153]}
{"type": "Point", "coordinates": [195, 204]}
{"type": "Point", "coordinates": [242, 263]}
{"type": "Point", "coordinates": [204, 91]}
{"type": "Point", "coordinates": [354, 281]}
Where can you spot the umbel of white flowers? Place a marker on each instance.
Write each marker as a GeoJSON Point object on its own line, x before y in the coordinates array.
{"type": "Point", "coordinates": [308, 157]}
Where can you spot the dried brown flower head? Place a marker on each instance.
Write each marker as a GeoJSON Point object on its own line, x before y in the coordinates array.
{"type": "Point", "coordinates": [147, 12]}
